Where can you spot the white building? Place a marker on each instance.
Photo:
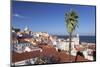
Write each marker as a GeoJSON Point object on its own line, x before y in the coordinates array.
{"type": "Point", "coordinates": [64, 45]}
{"type": "Point", "coordinates": [25, 62]}
{"type": "Point", "coordinates": [75, 39]}
{"type": "Point", "coordinates": [26, 30]}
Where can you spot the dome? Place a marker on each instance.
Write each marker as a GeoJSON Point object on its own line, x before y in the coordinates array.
{"type": "Point", "coordinates": [26, 29]}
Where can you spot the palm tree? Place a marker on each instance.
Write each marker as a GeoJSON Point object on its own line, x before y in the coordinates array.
{"type": "Point", "coordinates": [71, 19]}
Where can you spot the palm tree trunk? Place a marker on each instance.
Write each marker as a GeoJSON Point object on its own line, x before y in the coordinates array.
{"type": "Point", "coordinates": [70, 39]}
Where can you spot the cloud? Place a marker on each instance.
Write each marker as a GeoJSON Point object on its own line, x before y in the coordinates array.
{"type": "Point", "coordinates": [18, 16]}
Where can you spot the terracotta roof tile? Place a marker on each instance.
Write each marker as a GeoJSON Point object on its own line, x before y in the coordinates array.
{"type": "Point", "coordinates": [47, 50]}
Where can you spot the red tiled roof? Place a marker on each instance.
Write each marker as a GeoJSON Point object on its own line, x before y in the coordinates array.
{"type": "Point", "coordinates": [48, 50]}
{"type": "Point", "coordinates": [23, 56]}
{"type": "Point", "coordinates": [93, 47]}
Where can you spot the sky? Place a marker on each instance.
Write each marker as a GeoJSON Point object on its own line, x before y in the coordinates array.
{"type": "Point", "coordinates": [46, 17]}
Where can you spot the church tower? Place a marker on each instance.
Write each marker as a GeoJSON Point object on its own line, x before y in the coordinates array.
{"type": "Point", "coordinates": [26, 30]}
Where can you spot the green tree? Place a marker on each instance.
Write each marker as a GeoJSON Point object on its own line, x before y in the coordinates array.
{"type": "Point", "coordinates": [16, 29]}
{"type": "Point", "coordinates": [71, 19]}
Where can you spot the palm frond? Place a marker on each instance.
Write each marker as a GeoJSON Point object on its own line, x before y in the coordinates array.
{"type": "Point", "coordinates": [71, 19]}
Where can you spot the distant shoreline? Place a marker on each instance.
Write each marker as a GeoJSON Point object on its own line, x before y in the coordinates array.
{"type": "Point", "coordinates": [88, 39]}
{"type": "Point", "coordinates": [68, 35]}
